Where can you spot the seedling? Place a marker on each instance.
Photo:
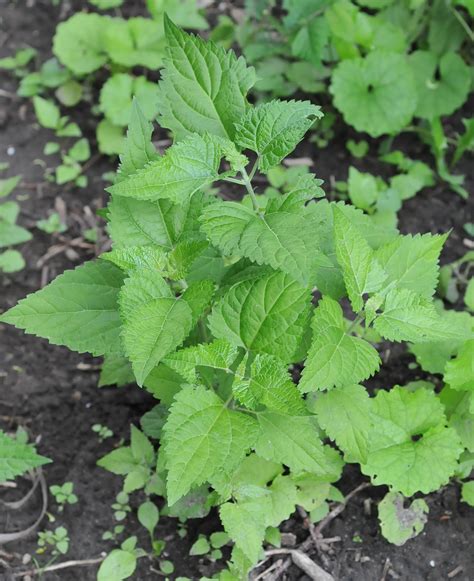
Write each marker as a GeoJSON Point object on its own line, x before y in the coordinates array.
{"type": "Point", "coordinates": [52, 224]}
{"type": "Point", "coordinates": [121, 506]}
{"type": "Point", "coordinates": [55, 542]}
{"type": "Point", "coordinates": [63, 494]}
{"type": "Point", "coordinates": [103, 432]}
{"type": "Point", "coordinates": [113, 534]}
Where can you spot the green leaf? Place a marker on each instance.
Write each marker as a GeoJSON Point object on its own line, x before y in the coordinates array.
{"type": "Point", "coordinates": [442, 86]}
{"type": "Point", "coordinates": [281, 239]}
{"type": "Point", "coordinates": [375, 94]}
{"type": "Point", "coordinates": [11, 233]}
{"type": "Point", "coordinates": [78, 309]}
{"type": "Point", "coordinates": [465, 141]}
{"type": "Point", "coordinates": [247, 520]}
{"type": "Point", "coordinates": [362, 273]}
{"type": "Point", "coordinates": [137, 257]}
{"type": "Point", "coordinates": [198, 296]}
{"type": "Point", "coordinates": [310, 40]}
{"type": "Point", "coordinates": [410, 449]}
{"type": "Point", "coordinates": [119, 461]}
{"type": "Point", "coordinates": [218, 355]}
{"type": "Point", "coordinates": [408, 316]}
{"type": "Point", "coordinates": [344, 414]}
{"type": "Point", "coordinates": [363, 188]}
{"type": "Point", "coordinates": [153, 421]}
{"type": "Point", "coordinates": [138, 149]}
{"type": "Point", "coordinates": [185, 168]}
{"type": "Point", "coordinates": [153, 327]}
{"type": "Point", "coordinates": [47, 113]}
{"type": "Point", "coordinates": [400, 524]}
{"type": "Point", "coordinates": [270, 385]}
{"type": "Point", "coordinates": [110, 138]}
{"type": "Point", "coordinates": [203, 88]}
{"type": "Point", "coordinates": [294, 441]}
{"type": "Point", "coordinates": [79, 42]}
{"type": "Point", "coordinates": [459, 372]}
{"type": "Point", "coordinates": [467, 492]}
{"type": "Point", "coordinates": [8, 185]}
{"type": "Point", "coordinates": [117, 94]}
{"type": "Point", "coordinates": [134, 42]}
{"type": "Point", "coordinates": [411, 262]}
{"type": "Point", "coordinates": [201, 437]}
{"type": "Point", "coordinates": [117, 565]}
{"type": "Point", "coordinates": [200, 547]}
{"type": "Point", "coordinates": [148, 515]}
{"type": "Point", "coordinates": [116, 370]}
{"type": "Point", "coordinates": [11, 261]}
{"type": "Point", "coordinates": [274, 129]}
{"type": "Point", "coordinates": [17, 458]}
{"type": "Point", "coordinates": [267, 315]}
{"type": "Point", "coordinates": [459, 407]}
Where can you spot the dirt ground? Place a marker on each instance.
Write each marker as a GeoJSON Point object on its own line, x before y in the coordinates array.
{"type": "Point", "coordinates": [52, 392]}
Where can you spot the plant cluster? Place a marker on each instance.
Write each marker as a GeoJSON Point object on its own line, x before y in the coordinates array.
{"type": "Point", "coordinates": [254, 321]}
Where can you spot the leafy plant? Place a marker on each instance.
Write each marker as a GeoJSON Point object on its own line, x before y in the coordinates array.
{"type": "Point", "coordinates": [211, 305]}
{"type": "Point", "coordinates": [63, 494]}
{"type": "Point", "coordinates": [17, 457]}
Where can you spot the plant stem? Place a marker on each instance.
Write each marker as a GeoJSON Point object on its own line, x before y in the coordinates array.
{"type": "Point", "coordinates": [463, 23]}
{"type": "Point", "coordinates": [355, 322]}
{"type": "Point", "coordinates": [250, 190]}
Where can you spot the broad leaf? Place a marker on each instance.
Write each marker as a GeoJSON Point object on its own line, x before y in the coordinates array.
{"type": "Point", "coordinates": [335, 359]}
{"type": "Point", "coordinates": [274, 129]}
{"type": "Point", "coordinates": [17, 458]}
{"type": "Point", "coordinates": [184, 169]}
{"type": "Point", "coordinates": [78, 309]}
{"type": "Point", "coordinates": [399, 524]}
{"type": "Point", "coordinates": [201, 437]}
{"type": "Point", "coordinates": [203, 88]}
{"type": "Point", "coordinates": [410, 449]}
{"type": "Point", "coordinates": [266, 315]}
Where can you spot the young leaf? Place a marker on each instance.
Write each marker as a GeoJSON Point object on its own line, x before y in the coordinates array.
{"type": "Point", "coordinates": [201, 437]}
{"type": "Point", "coordinates": [410, 317]}
{"type": "Point", "coordinates": [117, 565]}
{"type": "Point", "coordinates": [362, 273]}
{"type": "Point", "coordinates": [412, 262]}
{"type": "Point", "coordinates": [116, 370]}
{"type": "Point", "coordinates": [459, 372]}
{"type": "Point", "coordinates": [203, 88]}
{"type": "Point", "coordinates": [410, 449]}
{"type": "Point", "coordinates": [267, 315]}
{"type": "Point", "coordinates": [270, 385]}
{"type": "Point", "coordinates": [78, 309]}
{"type": "Point", "coordinates": [274, 129]}
{"type": "Point", "coordinates": [17, 458]}
{"type": "Point", "coordinates": [344, 414]}
{"type": "Point", "coordinates": [335, 359]}
{"type": "Point", "coordinates": [216, 355]}
{"type": "Point", "coordinates": [294, 441]}
{"type": "Point", "coordinates": [185, 168]}
{"type": "Point", "coordinates": [400, 524]}
{"type": "Point", "coordinates": [375, 94]}
{"type": "Point", "coordinates": [138, 257]}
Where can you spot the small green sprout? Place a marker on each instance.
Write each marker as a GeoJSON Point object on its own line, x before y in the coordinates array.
{"type": "Point", "coordinates": [57, 541]}
{"type": "Point", "coordinates": [121, 506]}
{"type": "Point", "coordinates": [113, 534]}
{"type": "Point", "coordinates": [103, 432]}
{"type": "Point", "coordinates": [52, 225]}
{"type": "Point", "coordinates": [63, 494]}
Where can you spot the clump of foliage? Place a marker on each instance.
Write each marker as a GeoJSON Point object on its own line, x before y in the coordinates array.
{"type": "Point", "coordinates": [254, 323]}
{"type": "Point", "coordinates": [17, 456]}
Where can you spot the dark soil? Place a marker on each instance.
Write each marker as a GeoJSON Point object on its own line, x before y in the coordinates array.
{"type": "Point", "coordinates": [52, 392]}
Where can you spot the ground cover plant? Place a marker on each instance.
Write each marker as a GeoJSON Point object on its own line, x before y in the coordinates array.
{"type": "Point", "coordinates": [253, 323]}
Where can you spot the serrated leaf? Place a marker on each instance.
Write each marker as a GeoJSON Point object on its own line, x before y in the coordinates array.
{"type": "Point", "coordinates": [412, 262]}
{"type": "Point", "coordinates": [78, 309]}
{"type": "Point", "coordinates": [141, 287]}
{"type": "Point", "coordinates": [410, 449]}
{"type": "Point", "coordinates": [153, 330]}
{"type": "Point", "coordinates": [399, 524]}
{"type": "Point", "coordinates": [198, 296]}
{"type": "Point", "coordinates": [274, 129]}
{"type": "Point", "coordinates": [17, 458]}
{"type": "Point", "coordinates": [270, 385]}
{"type": "Point", "coordinates": [138, 148]}
{"type": "Point", "coordinates": [137, 257]}
{"type": "Point", "coordinates": [116, 370]}
{"type": "Point", "coordinates": [201, 437]}
{"type": "Point", "coordinates": [203, 88]}
{"type": "Point", "coordinates": [344, 414]}
{"type": "Point", "coordinates": [247, 520]}
{"type": "Point", "coordinates": [283, 240]}
{"type": "Point", "coordinates": [294, 441]}
{"type": "Point", "coordinates": [216, 355]}
{"type": "Point", "coordinates": [362, 273]}
{"type": "Point", "coordinates": [185, 168]}
{"type": "Point", "coordinates": [335, 359]}
{"type": "Point", "coordinates": [410, 317]}
{"type": "Point", "coordinates": [266, 315]}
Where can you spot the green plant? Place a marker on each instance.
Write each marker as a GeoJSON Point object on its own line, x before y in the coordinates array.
{"type": "Point", "coordinates": [63, 494]}
{"type": "Point", "coordinates": [17, 457]}
{"type": "Point", "coordinates": [57, 542]}
{"type": "Point", "coordinates": [211, 305]}
{"type": "Point", "coordinates": [103, 432]}
{"type": "Point", "coordinates": [52, 225]}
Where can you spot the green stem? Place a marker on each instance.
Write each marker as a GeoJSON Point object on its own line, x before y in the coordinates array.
{"type": "Point", "coordinates": [355, 322]}
{"type": "Point", "coordinates": [463, 23]}
{"type": "Point", "coordinates": [250, 190]}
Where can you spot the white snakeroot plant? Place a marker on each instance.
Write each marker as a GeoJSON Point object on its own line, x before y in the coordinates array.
{"type": "Point", "coordinates": [208, 303]}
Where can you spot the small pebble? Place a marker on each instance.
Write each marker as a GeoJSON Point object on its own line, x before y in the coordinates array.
{"type": "Point", "coordinates": [432, 563]}
{"type": "Point", "coordinates": [11, 150]}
